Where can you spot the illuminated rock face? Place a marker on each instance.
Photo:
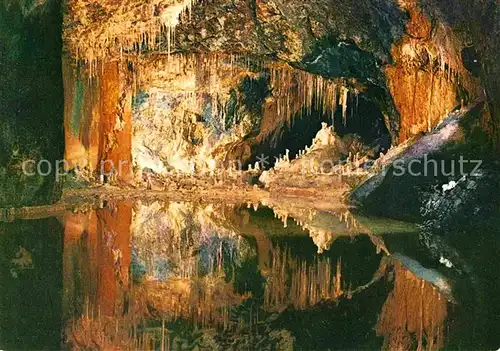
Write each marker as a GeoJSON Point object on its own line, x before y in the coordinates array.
{"type": "Point", "coordinates": [180, 114]}
{"type": "Point", "coordinates": [100, 30]}
{"type": "Point", "coordinates": [427, 79]}
{"type": "Point", "coordinates": [200, 112]}
{"type": "Point", "coordinates": [479, 23]}
{"type": "Point", "coordinates": [98, 120]}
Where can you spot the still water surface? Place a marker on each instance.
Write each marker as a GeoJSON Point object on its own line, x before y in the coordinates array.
{"type": "Point", "coordinates": [181, 276]}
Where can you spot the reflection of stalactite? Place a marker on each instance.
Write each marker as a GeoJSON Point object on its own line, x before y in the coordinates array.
{"type": "Point", "coordinates": [174, 232]}
{"type": "Point", "coordinates": [300, 284]}
{"type": "Point", "coordinates": [96, 262]}
{"type": "Point", "coordinates": [414, 310]}
{"type": "Point", "coordinates": [179, 230]}
{"type": "Point", "coordinates": [107, 308]}
{"type": "Point", "coordinates": [324, 232]}
{"type": "Point", "coordinates": [206, 302]}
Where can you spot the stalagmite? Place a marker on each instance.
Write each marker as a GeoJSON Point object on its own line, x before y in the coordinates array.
{"type": "Point", "coordinates": [344, 93]}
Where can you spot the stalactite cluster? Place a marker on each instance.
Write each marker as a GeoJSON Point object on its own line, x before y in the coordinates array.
{"type": "Point", "coordinates": [428, 78]}
{"type": "Point", "coordinates": [199, 88]}
{"type": "Point", "coordinates": [297, 92]}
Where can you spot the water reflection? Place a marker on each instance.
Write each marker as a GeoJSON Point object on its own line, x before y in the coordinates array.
{"type": "Point", "coordinates": [170, 275]}
{"type": "Point", "coordinates": [414, 310]}
{"type": "Point", "coordinates": [30, 284]}
{"type": "Point", "coordinates": [294, 282]}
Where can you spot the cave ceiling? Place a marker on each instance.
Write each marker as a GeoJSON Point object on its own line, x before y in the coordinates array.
{"type": "Point", "coordinates": [377, 44]}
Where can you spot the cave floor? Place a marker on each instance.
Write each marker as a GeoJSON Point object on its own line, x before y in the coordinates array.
{"type": "Point", "coordinates": [74, 199]}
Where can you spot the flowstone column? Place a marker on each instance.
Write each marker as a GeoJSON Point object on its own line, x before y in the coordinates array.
{"type": "Point", "coordinates": [98, 119]}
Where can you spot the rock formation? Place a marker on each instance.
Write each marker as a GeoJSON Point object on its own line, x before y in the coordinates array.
{"type": "Point", "coordinates": [189, 86]}
{"type": "Point", "coordinates": [31, 102]}
{"type": "Point", "coordinates": [205, 95]}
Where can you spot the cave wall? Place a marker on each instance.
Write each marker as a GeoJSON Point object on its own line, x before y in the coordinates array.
{"type": "Point", "coordinates": [477, 23]}
{"type": "Point", "coordinates": [330, 41]}
{"type": "Point", "coordinates": [97, 253]}
{"type": "Point", "coordinates": [408, 49]}
{"type": "Point", "coordinates": [31, 100]}
{"type": "Point", "coordinates": [405, 56]}
{"type": "Point", "coordinates": [310, 37]}
{"type": "Point", "coordinates": [189, 113]}
{"type": "Point", "coordinates": [411, 59]}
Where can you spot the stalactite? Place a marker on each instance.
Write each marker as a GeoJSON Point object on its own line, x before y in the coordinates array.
{"type": "Point", "coordinates": [295, 90]}
{"type": "Point", "coordinates": [429, 114]}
